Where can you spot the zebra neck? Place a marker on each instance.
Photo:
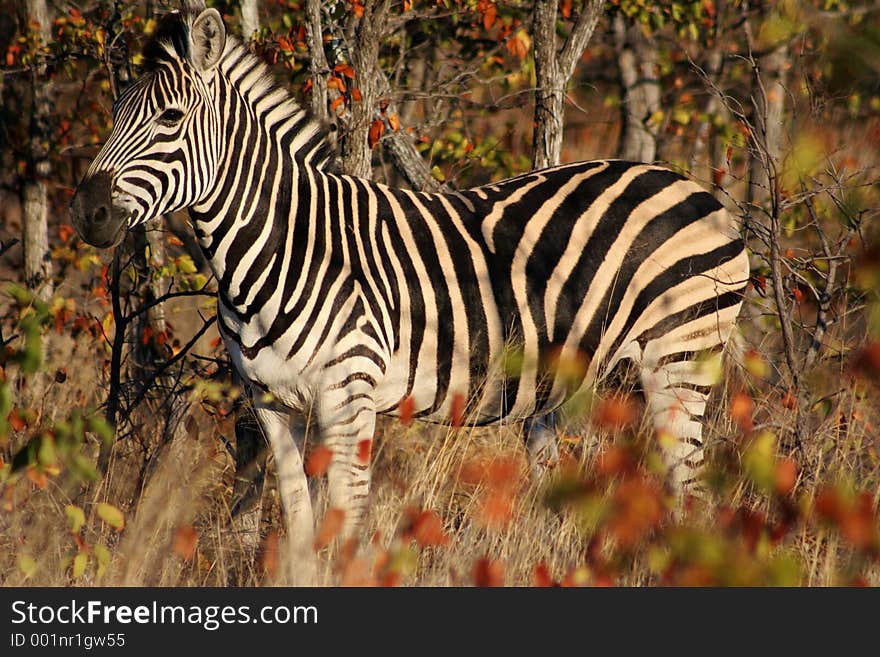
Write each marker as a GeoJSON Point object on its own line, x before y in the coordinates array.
{"type": "Point", "coordinates": [271, 149]}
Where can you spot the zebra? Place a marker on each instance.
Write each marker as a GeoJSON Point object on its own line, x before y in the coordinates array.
{"type": "Point", "coordinates": [348, 298]}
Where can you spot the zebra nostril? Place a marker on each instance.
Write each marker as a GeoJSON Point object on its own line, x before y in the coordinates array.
{"type": "Point", "coordinates": [101, 214]}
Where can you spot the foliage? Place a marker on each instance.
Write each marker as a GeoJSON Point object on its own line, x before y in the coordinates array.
{"type": "Point", "coordinates": [794, 470]}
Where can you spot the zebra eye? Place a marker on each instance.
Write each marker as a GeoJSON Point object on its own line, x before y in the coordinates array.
{"type": "Point", "coordinates": [170, 117]}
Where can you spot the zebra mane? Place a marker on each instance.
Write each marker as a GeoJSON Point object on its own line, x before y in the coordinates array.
{"type": "Point", "coordinates": [253, 79]}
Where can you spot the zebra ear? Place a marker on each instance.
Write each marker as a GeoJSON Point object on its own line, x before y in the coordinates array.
{"type": "Point", "coordinates": [208, 39]}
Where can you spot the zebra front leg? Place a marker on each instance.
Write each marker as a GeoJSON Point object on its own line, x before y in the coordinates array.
{"type": "Point", "coordinates": [349, 435]}
{"type": "Point", "coordinates": [286, 434]}
{"type": "Point", "coordinates": [540, 439]}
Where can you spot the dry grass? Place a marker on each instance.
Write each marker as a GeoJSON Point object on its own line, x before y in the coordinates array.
{"type": "Point", "coordinates": [457, 506]}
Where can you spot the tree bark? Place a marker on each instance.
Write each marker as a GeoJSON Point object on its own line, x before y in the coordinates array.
{"type": "Point", "coordinates": [35, 201]}
{"type": "Point", "coordinates": [769, 114]}
{"type": "Point", "coordinates": [364, 53]}
{"type": "Point", "coordinates": [250, 18]}
{"type": "Point", "coordinates": [637, 63]}
{"type": "Point", "coordinates": [553, 69]}
{"type": "Point", "coordinates": [319, 66]}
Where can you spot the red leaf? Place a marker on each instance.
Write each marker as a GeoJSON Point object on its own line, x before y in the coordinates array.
{"type": "Point", "coordinates": [488, 573]}
{"type": "Point", "coordinates": [541, 576]}
{"type": "Point", "coordinates": [406, 408]}
{"type": "Point", "coordinates": [336, 103]}
{"type": "Point", "coordinates": [364, 447]}
{"type": "Point", "coordinates": [319, 461]}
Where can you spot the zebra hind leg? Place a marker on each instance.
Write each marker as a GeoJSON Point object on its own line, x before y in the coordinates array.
{"type": "Point", "coordinates": [675, 395]}
{"type": "Point", "coordinates": [286, 435]}
{"type": "Point", "coordinates": [540, 438]}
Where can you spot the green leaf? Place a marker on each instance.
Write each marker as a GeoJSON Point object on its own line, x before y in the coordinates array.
{"type": "Point", "coordinates": [102, 428]}
{"type": "Point", "coordinates": [75, 517]}
{"type": "Point", "coordinates": [46, 454]}
{"type": "Point", "coordinates": [111, 515]}
{"type": "Point", "coordinates": [27, 565]}
{"type": "Point", "coordinates": [760, 461]}
{"type": "Point", "coordinates": [80, 561]}
{"type": "Point", "coordinates": [5, 408]}
{"type": "Point", "coordinates": [102, 554]}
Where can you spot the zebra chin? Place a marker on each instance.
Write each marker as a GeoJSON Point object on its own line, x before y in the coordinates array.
{"type": "Point", "coordinates": [97, 220]}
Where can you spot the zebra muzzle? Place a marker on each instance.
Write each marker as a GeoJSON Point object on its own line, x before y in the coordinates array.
{"type": "Point", "coordinates": [93, 215]}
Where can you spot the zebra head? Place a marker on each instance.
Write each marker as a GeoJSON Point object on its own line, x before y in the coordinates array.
{"type": "Point", "coordinates": [164, 150]}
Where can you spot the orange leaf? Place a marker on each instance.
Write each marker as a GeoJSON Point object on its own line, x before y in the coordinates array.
{"type": "Point", "coordinates": [65, 232]}
{"type": "Point", "coordinates": [334, 82]}
{"type": "Point", "coordinates": [345, 69]}
{"type": "Point", "coordinates": [268, 559]}
{"type": "Point", "coordinates": [358, 8]}
{"type": "Point", "coordinates": [364, 447]}
{"type": "Point", "coordinates": [377, 129]}
{"type": "Point", "coordinates": [427, 529]}
{"type": "Point", "coordinates": [488, 573]}
{"type": "Point", "coordinates": [356, 94]}
{"type": "Point", "coordinates": [786, 476]}
{"type": "Point", "coordinates": [497, 509]}
{"type": "Point", "coordinates": [456, 409]}
{"type": "Point", "coordinates": [394, 122]}
{"type": "Point", "coordinates": [741, 408]}
{"type": "Point", "coordinates": [615, 413]}
{"type": "Point", "coordinates": [406, 408]}
{"type": "Point", "coordinates": [489, 16]}
{"type": "Point", "coordinates": [565, 8]}
{"type": "Point", "coordinates": [336, 103]}
{"type": "Point", "coordinates": [319, 461]}
{"type": "Point", "coordinates": [37, 477]}
{"type": "Point", "coordinates": [330, 527]}
{"type": "Point", "coordinates": [614, 461]}
{"type": "Point", "coordinates": [185, 541]}
{"type": "Point", "coordinates": [173, 240]}
{"type": "Point", "coordinates": [284, 44]}
{"type": "Point", "coordinates": [307, 87]}
{"type": "Point", "coordinates": [16, 420]}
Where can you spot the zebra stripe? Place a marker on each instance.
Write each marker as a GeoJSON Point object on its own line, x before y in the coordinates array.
{"type": "Point", "coordinates": [346, 296]}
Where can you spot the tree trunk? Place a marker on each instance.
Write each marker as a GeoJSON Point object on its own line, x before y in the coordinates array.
{"type": "Point", "coordinates": [250, 18]}
{"type": "Point", "coordinates": [35, 201]}
{"type": "Point", "coordinates": [364, 53]}
{"type": "Point", "coordinates": [769, 105]}
{"type": "Point", "coordinates": [550, 91]}
{"type": "Point", "coordinates": [319, 67]}
{"type": "Point", "coordinates": [637, 63]}
{"type": "Point", "coordinates": [553, 69]}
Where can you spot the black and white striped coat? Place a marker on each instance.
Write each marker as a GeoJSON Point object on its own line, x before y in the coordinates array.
{"type": "Point", "coordinates": [346, 296]}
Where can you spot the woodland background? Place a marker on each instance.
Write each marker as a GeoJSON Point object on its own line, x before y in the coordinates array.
{"type": "Point", "coordinates": [127, 455]}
